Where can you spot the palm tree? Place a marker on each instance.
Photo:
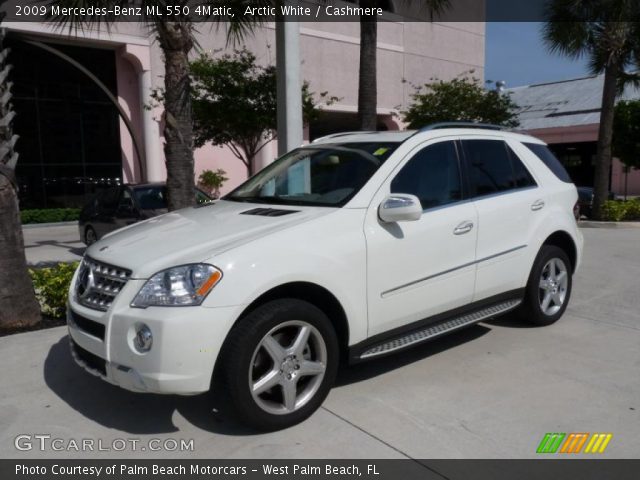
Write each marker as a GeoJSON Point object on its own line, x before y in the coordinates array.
{"type": "Point", "coordinates": [598, 30]}
{"type": "Point", "coordinates": [176, 39]}
{"type": "Point", "coordinates": [18, 304]}
{"type": "Point", "coordinates": [367, 78]}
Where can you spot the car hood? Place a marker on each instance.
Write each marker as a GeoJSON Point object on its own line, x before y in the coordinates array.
{"type": "Point", "coordinates": [194, 234]}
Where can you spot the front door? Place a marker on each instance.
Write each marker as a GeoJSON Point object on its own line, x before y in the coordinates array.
{"type": "Point", "coordinates": [416, 269]}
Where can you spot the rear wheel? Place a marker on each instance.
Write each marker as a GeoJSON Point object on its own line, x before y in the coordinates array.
{"type": "Point", "coordinates": [549, 287]}
{"type": "Point", "coordinates": [279, 363]}
{"type": "Point", "coordinates": [90, 236]}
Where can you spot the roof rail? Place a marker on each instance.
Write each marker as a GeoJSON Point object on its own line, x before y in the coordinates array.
{"type": "Point", "coordinates": [343, 134]}
{"type": "Point", "coordinates": [436, 126]}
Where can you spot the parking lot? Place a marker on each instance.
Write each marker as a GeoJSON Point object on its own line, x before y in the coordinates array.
{"type": "Point", "coordinates": [490, 391]}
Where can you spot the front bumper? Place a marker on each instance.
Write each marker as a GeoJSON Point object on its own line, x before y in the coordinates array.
{"type": "Point", "coordinates": [186, 343]}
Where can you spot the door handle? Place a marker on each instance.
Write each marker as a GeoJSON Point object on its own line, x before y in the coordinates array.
{"type": "Point", "coordinates": [464, 227]}
{"type": "Point", "coordinates": [537, 205]}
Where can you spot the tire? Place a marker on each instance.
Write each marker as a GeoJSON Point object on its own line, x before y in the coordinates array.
{"type": "Point", "coordinates": [546, 297]}
{"type": "Point", "coordinates": [90, 236]}
{"type": "Point", "coordinates": [266, 349]}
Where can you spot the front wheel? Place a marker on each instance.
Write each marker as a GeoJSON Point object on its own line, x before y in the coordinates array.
{"type": "Point", "coordinates": [549, 287]}
{"type": "Point", "coordinates": [279, 363]}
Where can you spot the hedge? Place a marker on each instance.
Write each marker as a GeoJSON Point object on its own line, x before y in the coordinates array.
{"type": "Point", "coordinates": [616, 210]}
{"type": "Point", "coordinates": [49, 215]}
{"type": "Point", "coordinates": [51, 285]}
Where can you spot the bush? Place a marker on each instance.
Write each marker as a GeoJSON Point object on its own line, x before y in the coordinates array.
{"type": "Point", "coordinates": [49, 215]}
{"type": "Point", "coordinates": [617, 211]}
{"type": "Point", "coordinates": [212, 181]}
{"type": "Point", "coordinates": [52, 286]}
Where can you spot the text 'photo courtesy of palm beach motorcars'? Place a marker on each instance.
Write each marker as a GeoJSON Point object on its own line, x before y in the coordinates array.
{"type": "Point", "coordinates": [347, 249]}
{"type": "Point", "coordinates": [123, 205]}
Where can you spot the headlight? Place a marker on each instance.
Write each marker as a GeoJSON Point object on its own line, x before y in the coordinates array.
{"type": "Point", "coordinates": [178, 286]}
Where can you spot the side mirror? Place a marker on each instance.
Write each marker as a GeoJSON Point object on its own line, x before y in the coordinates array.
{"type": "Point", "coordinates": [400, 207]}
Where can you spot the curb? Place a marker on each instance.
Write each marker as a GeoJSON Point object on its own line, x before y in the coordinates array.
{"type": "Point", "coordinates": [53, 224]}
{"type": "Point", "coordinates": [594, 224]}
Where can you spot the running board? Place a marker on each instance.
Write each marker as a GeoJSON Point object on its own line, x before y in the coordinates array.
{"type": "Point", "coordinates": [437, 329]}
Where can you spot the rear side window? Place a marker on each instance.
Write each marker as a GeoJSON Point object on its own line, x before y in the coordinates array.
{"type": "Point", "coordinates": [550, 160]}
{"type": "Point", "coordinates": [521, 175]}
{"type": "Point", "coordinates": [432, 175]}
{"type": "Point", "coordinates": [494, 167]}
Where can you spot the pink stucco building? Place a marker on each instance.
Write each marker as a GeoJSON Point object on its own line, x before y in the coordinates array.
{"type": "Point", "coordinates": [91, 140]}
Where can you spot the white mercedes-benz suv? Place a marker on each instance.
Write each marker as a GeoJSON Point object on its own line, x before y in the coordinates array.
{"type": "Point", "coordinates": [351, 248]}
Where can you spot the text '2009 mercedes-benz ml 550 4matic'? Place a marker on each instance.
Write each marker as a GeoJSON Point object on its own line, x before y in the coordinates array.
{"type": "Point", "coordinates": [350, 248]}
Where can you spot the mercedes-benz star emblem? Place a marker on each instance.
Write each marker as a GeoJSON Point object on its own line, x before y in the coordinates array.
{"type": "Point", "coordinates": [85, 281]}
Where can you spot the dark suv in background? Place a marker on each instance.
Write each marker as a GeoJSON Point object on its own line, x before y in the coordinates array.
{"type": "Point", "coordinates": [123, 205]}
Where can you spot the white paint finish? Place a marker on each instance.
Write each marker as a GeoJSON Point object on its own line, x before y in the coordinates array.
{"type": "Point", "coordinates": [402, 257]}
{"type": "Point", "coordinates": [383, 275]}
{"type": "Point", "coordinates": [420, 268]}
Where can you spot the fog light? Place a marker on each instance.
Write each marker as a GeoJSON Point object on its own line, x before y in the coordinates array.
{"type": "Point", "coordinates": [143, 339]}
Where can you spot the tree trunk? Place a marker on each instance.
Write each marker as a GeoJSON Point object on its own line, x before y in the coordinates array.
{"type": "Point", "coordinates": [605, 134]}
{"type": "Point", "coordinates": [18, 304]}
{"type": "Point", "coordinates": [176, 41]}
{"type": "Point", "coordinates": [367, 81]}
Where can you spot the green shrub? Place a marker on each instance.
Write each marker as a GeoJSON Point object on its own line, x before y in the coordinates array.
{"type": "Point", "coordinates": [52, 286]}
{"type": "Point", "coordinates": [633, 209]}
{"type": "Point", "coordinates": [212, 181]}
{"type": "Point", "coordinates": [49, 215]}
{"type": "Point", "coordinates": [617, 211]}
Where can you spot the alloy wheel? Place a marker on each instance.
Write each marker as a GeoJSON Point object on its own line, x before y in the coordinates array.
{"type": "Point", "coordinates": [287, 367]}
{"type": "Point", "coordinates": [553, 286]}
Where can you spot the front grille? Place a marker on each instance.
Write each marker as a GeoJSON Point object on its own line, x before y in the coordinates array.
{"type": "Point", "coordinates": [88, 360]}
{"type": "Point", "coordinates": [98, 283]}
{"type": "Point", "coordinates": [89, 326]}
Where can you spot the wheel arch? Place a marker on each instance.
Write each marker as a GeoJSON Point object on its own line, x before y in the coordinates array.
{"type": "Point", "coordinates": [316, 295]}
{"type": "Point", "coordinates": [564, 240]}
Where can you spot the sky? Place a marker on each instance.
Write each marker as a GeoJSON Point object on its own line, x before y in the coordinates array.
{"type": "Point", "coordinates": [515, 53]}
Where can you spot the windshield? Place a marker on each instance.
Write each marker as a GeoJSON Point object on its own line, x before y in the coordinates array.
{"type": "Point", "coordinates": [322, 175]}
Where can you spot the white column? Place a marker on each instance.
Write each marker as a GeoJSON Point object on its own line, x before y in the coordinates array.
{"type": "Point", "coordinates": [289, 86]}
{"type": "Point", "coordinates": [150, 132]}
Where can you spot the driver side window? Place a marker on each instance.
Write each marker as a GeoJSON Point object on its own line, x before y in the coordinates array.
{"type": "Point", "coordinates": [432, 175]}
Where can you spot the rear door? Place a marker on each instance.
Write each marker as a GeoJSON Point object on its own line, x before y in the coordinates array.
{"type": "Point", "coordinates": [506, 197]}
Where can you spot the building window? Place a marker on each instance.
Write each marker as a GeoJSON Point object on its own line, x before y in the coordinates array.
{"type": "Point", "coordinates": [69, 131]}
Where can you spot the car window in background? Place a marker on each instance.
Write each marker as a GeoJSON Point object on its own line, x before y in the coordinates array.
{"type": "Point", "coordinates": [202, 197]}
{"type": "Point", "coordinates": [125, 199]}
{"type": "Point", "coordinates": [550, 160]}
{"type": "Point", "coordinates": [109, 199]}
{"type": "Point", "coordinates": [432, 175]}
{"type": "Point", "coordinates": [151, 198]}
